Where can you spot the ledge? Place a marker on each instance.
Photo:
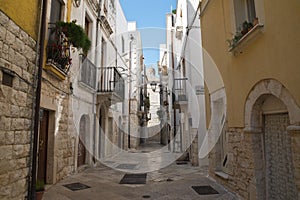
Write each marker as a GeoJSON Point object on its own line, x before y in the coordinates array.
{"type": "Point", "coordinates": [248, 37]}
{"type": "Point", "coordinates": [55, 71]}
{"type": "Point", "coordinates": [221, 174]}
{"type": "Point", "coordinates": [252, 130]}
{"type": "Point", "coordinates": [293, 128]}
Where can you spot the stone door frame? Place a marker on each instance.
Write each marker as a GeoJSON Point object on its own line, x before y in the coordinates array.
{"type": "Point", "coordinates": [254, 126]}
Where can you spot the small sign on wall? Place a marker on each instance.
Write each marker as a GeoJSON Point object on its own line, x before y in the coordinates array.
{"type": "Point", "coordinates": [199, 89]}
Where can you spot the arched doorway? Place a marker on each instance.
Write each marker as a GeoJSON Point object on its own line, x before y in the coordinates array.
{"type": "Point", "coordinates": [83, 141]}
{"type": "Point", "coordinates": [269, 110]}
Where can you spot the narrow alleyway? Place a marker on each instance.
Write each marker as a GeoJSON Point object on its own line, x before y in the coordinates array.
{"type": "Point", "coordinates": [175, 181]}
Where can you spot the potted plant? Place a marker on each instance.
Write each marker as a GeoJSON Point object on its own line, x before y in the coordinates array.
{"type": "Point", "coordinates": [75, 34]}
{"type": "Point", "coordinates": [39, 189]}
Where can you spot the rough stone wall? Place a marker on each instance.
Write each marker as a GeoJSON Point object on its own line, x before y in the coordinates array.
{"type": "Point", "coordinates": [240, 166]}
{"type": "Point", "coordinates": [17, 54]}
{"type": "Point", "coordinates": [244, 170]}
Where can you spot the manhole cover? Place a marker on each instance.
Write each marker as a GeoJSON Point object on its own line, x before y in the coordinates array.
{"type": "Point", "coordinates": [134, 179]}
{"type": "Point", "coordinates": [205, 190]}
{"type": "Point", "coordinates": [76, 186]}
{"type": "Point", "coordinates": [126, 166]}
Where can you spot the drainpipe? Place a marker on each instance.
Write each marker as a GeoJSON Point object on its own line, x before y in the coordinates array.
{"type": "Point", "coordinates": [129, 97]}
{"type": "Point", "coordinates": [97, 62]}
{"type": "Point", "coordinates": [173, 88]}
{"type": "Point", "coordinates": [38, 98]}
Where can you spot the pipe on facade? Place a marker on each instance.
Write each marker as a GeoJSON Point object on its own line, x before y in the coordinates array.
{"type": "Point", "coordinates": [42, 36]}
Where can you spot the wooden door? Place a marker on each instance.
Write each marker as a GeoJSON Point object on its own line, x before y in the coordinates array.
{"type": "Point", "coordinates": [43, 146]}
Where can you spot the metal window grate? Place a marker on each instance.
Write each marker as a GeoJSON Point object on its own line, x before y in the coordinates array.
{"type": "Point", "coordinates": [134, 179]}
{"type": "Point", "coordinates": [7, 79]}
{"type": "Point", "coordinates": [205, 190]}
{"type": "Point", "coordinates": [76, 186]}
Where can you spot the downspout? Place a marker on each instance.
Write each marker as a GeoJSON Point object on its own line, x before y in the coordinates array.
{"type": "Point", "coordinates": [173, 88]}
{"type": "Point", "coordinates": [95, 93]}
{"type": "Point", "coordinates": [33, 104]}
{"type": "Point", "coordinates": [38, 98]}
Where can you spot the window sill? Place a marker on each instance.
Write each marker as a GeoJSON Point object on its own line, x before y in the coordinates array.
{"type": "Point", "coordinates": [50, 67]}
{"type": "Point", "coordinates": [221, 174]}
{"type": "Point", "coordinates": [246, 39]}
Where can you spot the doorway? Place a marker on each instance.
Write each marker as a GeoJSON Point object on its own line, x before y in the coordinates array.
{"type": "Point", "coordinates": [43, 146]}
{"type": "Point", "coordinates": [280, 182]}
{"type": "Point", "coordinates": [81, 155]}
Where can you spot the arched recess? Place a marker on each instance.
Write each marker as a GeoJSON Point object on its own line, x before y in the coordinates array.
{"type": "Point", "coordinates": [254, 100]}
{"type": "Point", "coordinates": [83, 140]}
{"type": "Point", "coordinates": [269, 111]}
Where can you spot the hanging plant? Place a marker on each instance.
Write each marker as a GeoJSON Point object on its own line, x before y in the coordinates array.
{"type": "Point", "coordinates": [75, 34]}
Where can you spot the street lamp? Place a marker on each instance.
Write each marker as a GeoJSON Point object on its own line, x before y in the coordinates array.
{"type": "Point", "coordinates": [153, 86]}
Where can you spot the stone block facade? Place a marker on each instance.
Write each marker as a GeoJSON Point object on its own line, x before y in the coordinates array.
{"type": "Point", "coordinates": [17, 58]}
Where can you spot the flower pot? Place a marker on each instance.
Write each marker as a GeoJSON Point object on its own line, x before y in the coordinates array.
{"type": "Point", "coordinates": [39, 195]}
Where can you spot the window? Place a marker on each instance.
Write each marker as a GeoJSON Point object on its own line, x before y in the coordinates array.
{"type": "Point", "coordinates": [55, 15]}
{"type": "Point", "coordinates": [88, 27]}
{"type": "Point", "coordinates": [7, 79]}
{"type": "Point", "coordinates": [244, 11]}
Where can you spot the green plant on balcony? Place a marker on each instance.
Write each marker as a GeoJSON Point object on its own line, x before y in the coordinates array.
{"type": "Point", "coordinates": [62, 35]}
{"type": "Point", "coordinates": [246, 27]}
{"type": "Point", "coordinates": [75, 34]}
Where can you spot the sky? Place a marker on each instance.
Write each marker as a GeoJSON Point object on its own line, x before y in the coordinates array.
{"type": "Point", "coordinates": [150, 16]}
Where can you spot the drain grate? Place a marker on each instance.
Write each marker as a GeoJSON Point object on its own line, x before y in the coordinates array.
{"type": "Point", "coordinates": [134, 179]}
{"type": "Point", "coordinates": [126, 166]}
{"type": "Point", "coordinates": [76, 186]}
{"type": "Point", "coordinates": [205, 190]}
{"type": "Point", "coordinates": [181, 162]}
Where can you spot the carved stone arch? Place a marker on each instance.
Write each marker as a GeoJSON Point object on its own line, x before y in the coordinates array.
{"type": "Point", "coordinates": [256, 97]}
{"type": "Point", "coordinates": [266, 91]}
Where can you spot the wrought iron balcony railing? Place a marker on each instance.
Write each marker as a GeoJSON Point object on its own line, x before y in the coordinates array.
{"type": "Point", "coordinates": [180, 89]}
{"type": "Point", "coordinates": [59, 56]}
{"type": "Point", "coordinates": [111, 81]}
{"type": "Point", "coordinates": [88, 73]}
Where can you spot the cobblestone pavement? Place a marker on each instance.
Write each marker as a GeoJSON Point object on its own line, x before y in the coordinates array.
{"type": "Point", "coordinates": [172, 182]}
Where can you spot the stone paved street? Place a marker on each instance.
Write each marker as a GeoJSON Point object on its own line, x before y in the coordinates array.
{"type": "Point", "coordinates": [172, 182]}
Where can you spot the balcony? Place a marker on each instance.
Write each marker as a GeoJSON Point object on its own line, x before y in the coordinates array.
{"type": "Point", "coordinates": [106, 25]}
{"type": "Point", "coordinates": [111, 85]}
{"type": "Point", "coordinates": [58, 59]}
{"type": "Point", "coordinates": [180, 91]}
{"type": "Point", "coordinates": [88, 74]}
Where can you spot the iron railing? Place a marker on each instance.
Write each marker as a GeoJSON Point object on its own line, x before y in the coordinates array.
{"type": "Point", "coordinates": [111, 81]}
{"type": "Point", "coordinates": [88, 73]}
{"type": "Point", "coordinates": [180, 88]}
{"type": "Point", "coordinates": [58, 50]}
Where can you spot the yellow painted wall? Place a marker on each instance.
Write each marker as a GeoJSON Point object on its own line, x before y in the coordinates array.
{"type": "Point", "coordinates": [274, 54]}
{"type": "Point", "coordinates": [23, 13]}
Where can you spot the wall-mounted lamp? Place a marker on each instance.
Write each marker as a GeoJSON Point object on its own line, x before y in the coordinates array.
{"type": "Point", "coordinates": [153, 86]}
